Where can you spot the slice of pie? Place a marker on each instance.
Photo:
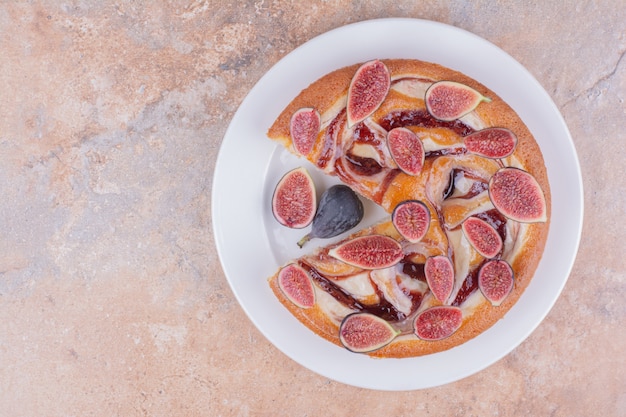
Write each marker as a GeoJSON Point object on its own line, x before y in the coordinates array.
{"type": "Point", "coordinates": [412, 134]}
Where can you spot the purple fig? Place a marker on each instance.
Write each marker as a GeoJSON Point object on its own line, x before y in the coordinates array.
{"type": "Point", "coordinates": [439, 322]}
{"type": "Point", "coordinates": [449, 100]}
{"type": "Point", "coordinates": [482, 236]}
{"type": "Point", "coordinates": [294, 201]}
{"type": "Point", "coordinates": [368, 89]}
{"type": "Point", "coordinates": [495, 280]}
{"type": "Point", "coordinates": [304, 127]}
{"type": "Point", "coordinates": [406, 150]}
{"type": "Point", "coordinates": [439, 273]}
{"type": "Point", "coordinates": [365, 332]}
{"type": "Point", "coordinates": [340, 209]}
{"type": "Point", "coordinates": [295, 283]}
{"type": "Point", "coordinates": [517, 195]}
{"type": "Point", "coordinates": [495, 142]}
{"type": "Point", "coordinates": [369, 252]}
{"type": "Point", "coordinates": [412, 220]}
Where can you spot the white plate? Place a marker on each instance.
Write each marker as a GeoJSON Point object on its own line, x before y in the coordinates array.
{"type": "Point", "coordinates": [251, 246]}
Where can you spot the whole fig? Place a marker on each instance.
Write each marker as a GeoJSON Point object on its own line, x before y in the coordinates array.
{"type": "Point", "coordinates": [339, 211]}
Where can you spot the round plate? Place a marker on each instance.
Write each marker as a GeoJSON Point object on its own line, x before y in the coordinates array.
{"type": "Point", "coordinates": [252, 246]}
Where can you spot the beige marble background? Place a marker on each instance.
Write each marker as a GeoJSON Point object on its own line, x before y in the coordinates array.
{"type": "Point", "coordinates": [112, 298]}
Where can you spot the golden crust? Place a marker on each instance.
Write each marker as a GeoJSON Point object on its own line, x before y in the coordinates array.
{"type": "Point", "coordinates": [325, 94]}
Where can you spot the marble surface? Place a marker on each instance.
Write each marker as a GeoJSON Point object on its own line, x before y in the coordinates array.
{"type": "Point", "coordinates": [112, 298]}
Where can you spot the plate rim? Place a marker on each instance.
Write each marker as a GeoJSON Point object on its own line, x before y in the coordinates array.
{"type": "Point", "coordinates": [220, 239]}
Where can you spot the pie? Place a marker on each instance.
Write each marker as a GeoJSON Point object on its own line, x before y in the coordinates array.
{"type": "Point", "coordinates": [409, 134]}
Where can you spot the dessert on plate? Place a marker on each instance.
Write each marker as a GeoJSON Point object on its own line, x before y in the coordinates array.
{"type": "Point", "coordinates": [466, 191]}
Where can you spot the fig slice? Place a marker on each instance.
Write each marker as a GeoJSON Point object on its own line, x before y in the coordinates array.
{"type": "Point", "coordinates": [411, 219]}
{"type": "Point", "coordinates": [365, 332]}
{"type": "Point", "coordinates": [295, 283]}
{"type": "Point", "coordinates": [304, 126]}
{"type": "Point", "coordinates": [369, 252]}
{"type": "Point", "coordinates": [495, 280]}
{"type": "Point", "coordinates": [294, 200]}
{"type": "Point", "coordinates": [406, 150]}
{"type": "Point", "coordinates": [450, 100]}
{"type": "Point", "coordinates": [439, 274]}
{"type": "Point", "coordinates": [439, 322]}
{"type": "Point", "coordinates": [482, 236]}
{"type": "Point", "coordinates": [368, 88]}
{"type": "Point", "coordinates": [494, 142]}
{"type": "Point", "coordinates": [517, 195]}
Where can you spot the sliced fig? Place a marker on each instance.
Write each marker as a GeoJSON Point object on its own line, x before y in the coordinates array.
{"type": "Point", "coordinates": [412, 220]}
{"type": "Point", "coordinates": [340, 209]}
{"type": "Point", "coordinates": [495, 280]}
{"type": "Point", "coordinates": [406, 150]}
{"type": "Point", "coordinates": [369, 252]}
{"type": "Point", "coordinates": [517, 195]}
{"type": "Point", "coordinates": [304, 126]}
{"type": "Point", "coordinates": [365, 332]}
{"type": "Point", "coordinates": [368, 89]}
{"type": "Point", "coordinates": [449, 100]}
{"type": "Point", "coordinates": [482, 236]}
{"type": "Point", "coordinates": [494, 142]}
{"type": "Point", "coordinates": [294, 200]}
{"type": "Point", "coordinates": [295, 283]}
{"type": "Point", "coordinates": [439, 322]}
{"type": "Point", "coordinates": [439, 274]}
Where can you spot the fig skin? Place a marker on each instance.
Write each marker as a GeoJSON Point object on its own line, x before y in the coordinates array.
{"type": "Point", "coordinates": [439, 273]}
{"type": "Point", "coordinates": [518, 196]}
{"type": "Point", "coordinates": [295, 283]}
{"type": "Point", "coordinates": [406, 149]}
{"type": "Point", "coordinates": [339, 210]}
{"type": "Point", "coordinates": [294, 200]}
{"type": "Point", "coordinates": [411, 219]}
{"type": "Point", "coordinates": [369, 252]}
{"type": "Point", "coordinates": [494, 143]}
{"type": "Point", "coordinates": [495, 281]}
{"type": "Point", "coordinates": [367, 91]}
{"type": "Point", "coordinates": [365, 332]}
{"type": "Point", "coordinates": [438, 322]}
{"type": "Point", "coordinates": [303, 127]}
{"type": "Point", "coordinates": [450, 100]}
{"type": "Point", "coordinates": [482, 236]}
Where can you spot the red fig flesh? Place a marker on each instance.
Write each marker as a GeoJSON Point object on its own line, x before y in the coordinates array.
{"type": "Point", "coordinates": [304, 127]}
{"type": "Point", "coordinates": [495, 280]}
{"type": "Point", "coordinates": [492, 143]}
{"type": "Point", "coordinates": [439, 322]}
{"type": "Point", "coordinates": [439, 276]}
{"type": "Point", "coordinates": [517, 195]}
{"type": "Point", "coordinates": [406, 149]}
{"type": "Point", "coordinates": [369, 252]}
{"type": "Point", "coordinates": [364, 332]}
{"type": "Point", "coordinates": [412, 220]}
{"type": "Point", "coordinates": [368, 89]}
{"type": "Point", "coordinates": [294, 200]}
{"type": "Point", "coordinates": [295, 283]}
{"type": "Point", "coordinates": [482, 236]}
{"type": "Point", "coordinates": [449, 100]}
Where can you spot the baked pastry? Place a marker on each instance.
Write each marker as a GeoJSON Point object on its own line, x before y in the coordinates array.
{"type": "Point", "coordinates": [466, 189]}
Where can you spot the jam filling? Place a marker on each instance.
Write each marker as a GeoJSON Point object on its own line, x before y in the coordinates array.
{"type": "Point", "coordinates": [363, 134]}
{"type": "Point", "coordinates": [470, 284]}
{"type": "Point", "coordinates": [383, 309]}
{"type": "Point", "coordinates": [404, 118]}
{"type": "Point", "coordinates": [477, 187]}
